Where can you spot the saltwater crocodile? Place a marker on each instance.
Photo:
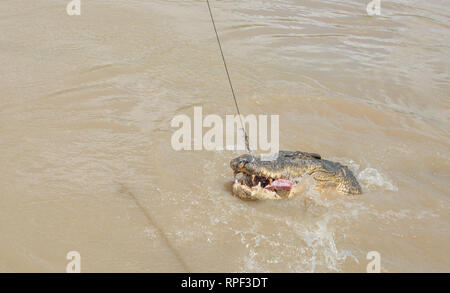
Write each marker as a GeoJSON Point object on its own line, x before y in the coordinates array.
{"type": "Point", "coordinates": [259, 179]}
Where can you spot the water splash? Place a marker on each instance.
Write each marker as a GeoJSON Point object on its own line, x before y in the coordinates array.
{"type": "Point", "coordinates": [372, 179]}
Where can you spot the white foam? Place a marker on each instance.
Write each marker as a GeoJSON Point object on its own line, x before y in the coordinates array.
{"type": "Point", "coordinates": [372, 179]}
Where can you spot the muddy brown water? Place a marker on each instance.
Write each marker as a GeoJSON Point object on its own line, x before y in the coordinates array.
{"type": "Point", "coordinates": [86, 162]}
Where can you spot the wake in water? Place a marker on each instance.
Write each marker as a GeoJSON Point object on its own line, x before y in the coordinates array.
{"type": "Point", "coordinates": [311, 242]}
{"type": "Point", "coordinates": [371, 179]}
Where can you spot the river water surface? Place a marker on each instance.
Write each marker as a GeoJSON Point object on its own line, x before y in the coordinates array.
{"type": "Point", "coordinates": [87, 165]}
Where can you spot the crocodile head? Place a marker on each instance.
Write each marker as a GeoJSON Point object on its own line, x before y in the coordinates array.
{"type": "Point", "coordinates": [259, 179]}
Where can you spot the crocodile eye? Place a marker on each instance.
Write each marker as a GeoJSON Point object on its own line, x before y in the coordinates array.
{"type": "Point", "coordinates": [242, 164]}
{"type": "Point", "coordinates": [238, 163]}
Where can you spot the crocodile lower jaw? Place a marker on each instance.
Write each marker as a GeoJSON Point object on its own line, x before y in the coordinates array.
{"type": "Point", "coordinates": [257, 192]}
